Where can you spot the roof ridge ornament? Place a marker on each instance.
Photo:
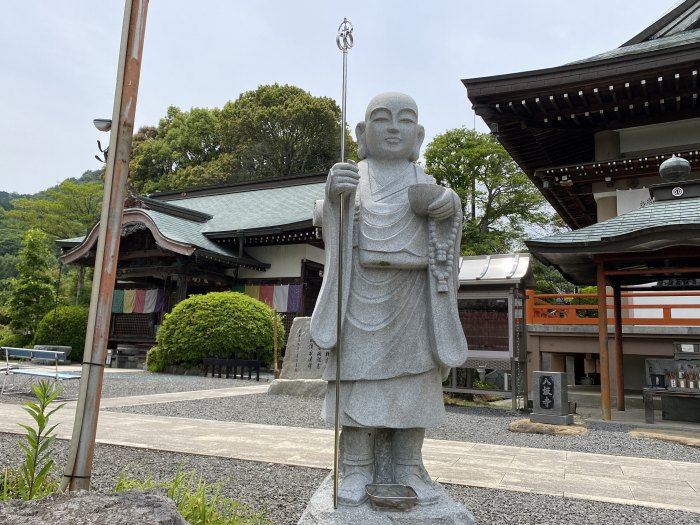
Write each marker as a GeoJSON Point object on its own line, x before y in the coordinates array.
{"type": "Point", "coordinates": [674, 169]}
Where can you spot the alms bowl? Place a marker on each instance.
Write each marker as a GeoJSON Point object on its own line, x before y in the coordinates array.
{"type": "Point", "coordinates": [420, 196]}
{"type": "Point", "coordinates": [391, 497]}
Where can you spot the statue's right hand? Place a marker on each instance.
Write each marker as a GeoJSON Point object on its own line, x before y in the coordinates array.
{"type": "Point", "coordinates": [343, 177]}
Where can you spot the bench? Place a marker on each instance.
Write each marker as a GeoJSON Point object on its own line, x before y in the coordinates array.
{"type": "Point", "coordinates": [27, 369]}
{"type": "Point", "coordinates": [226, 365]}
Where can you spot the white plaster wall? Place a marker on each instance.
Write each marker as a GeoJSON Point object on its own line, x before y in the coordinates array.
{"type": "Point", "coordinates": [660, 136]}
{"type": "Point", "coordinates": [285, 260]}
{"type": "Point", "coordinates": [693, 312]}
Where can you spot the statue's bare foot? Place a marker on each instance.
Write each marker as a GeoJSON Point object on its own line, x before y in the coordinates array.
{"type": "Point", "coordinates": [351, 491]}
{"type": "Point", "coordinates": [412, 475]}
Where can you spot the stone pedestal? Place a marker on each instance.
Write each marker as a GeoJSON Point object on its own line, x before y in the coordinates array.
{"type": "Point", "coordinates": [320, 511]}
{"type": "Point", "coordinates": [551, 399]}
{"type": "Point", "coordinates": [298, 387]}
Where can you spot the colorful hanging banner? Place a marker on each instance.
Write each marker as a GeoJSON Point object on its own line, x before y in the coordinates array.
{"type": "Point", "coordinates": [149, 305]}
{"type": "Point", "coordinates": [118, 301]}
{"type": "Point", "coordinates": [281, 296]}
{"type": "Point", "coordinates": [267, 292]}
{"type": "Point", "coordinates": [252, 290]}
{"type": "Point", "coordinates": [129, 301]}
{"type": "Point", "coordinates": [140, 301]}
{"type": "Point", "coordinates": [294, 298]}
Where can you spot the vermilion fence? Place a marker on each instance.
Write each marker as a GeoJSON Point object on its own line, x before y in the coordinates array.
{"type": "Point", "coordinates": [638, 308]}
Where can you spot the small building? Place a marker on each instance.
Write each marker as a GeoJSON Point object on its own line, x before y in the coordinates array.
{"type": "Point", "coordinates": [257, 238]}
{"type": "Point", "coordinates": [491, 302]}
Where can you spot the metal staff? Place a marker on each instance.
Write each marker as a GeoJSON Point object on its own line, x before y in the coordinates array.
{"type": "Point", "coordinates": [344, 42]}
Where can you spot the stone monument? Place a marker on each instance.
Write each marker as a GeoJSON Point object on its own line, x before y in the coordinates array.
{"type": "Point", "coordinates": [550, 403]}
{"type": "Point", "coordinates": [400, 327]}
{"type": "Point", "coordinates": [303, 365]}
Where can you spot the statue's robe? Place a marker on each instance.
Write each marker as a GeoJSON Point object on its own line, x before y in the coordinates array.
{"type": "Point", "coordinates": [399, 335]}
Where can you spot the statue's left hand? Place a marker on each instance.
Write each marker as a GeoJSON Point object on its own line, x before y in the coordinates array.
{"type": "Point", "coordinates": [442, 207]}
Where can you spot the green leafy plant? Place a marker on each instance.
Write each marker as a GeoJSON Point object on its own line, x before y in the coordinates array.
{"type": "Point", "coordinates": [64, 326]}
{"type": "Point", "coordinates": [32, 478]}
{"type": "Point", "coordinates": [197, 502]}
{"type": "Point", "coordinates": [217, 324]}
{"type": "Point", "coordinates": [15, 339]}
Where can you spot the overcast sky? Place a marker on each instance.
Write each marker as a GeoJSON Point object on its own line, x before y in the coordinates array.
{"type": "Point", "coordinates": [58, 60]}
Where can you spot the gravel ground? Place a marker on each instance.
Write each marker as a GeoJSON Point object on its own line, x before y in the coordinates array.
{"type": "Point", "coordinates": [123, 384]}
{"type": "Point", "coordinates": [283, 491]}
{"type": "Point", "coordinates": [141, 384]}
{"type": "Point", "coordinates": [474, 424]}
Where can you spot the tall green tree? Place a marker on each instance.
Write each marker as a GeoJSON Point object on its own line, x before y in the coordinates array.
{"type": "Point", "coordinates": [282, 130]}
{"type": "Point", "coordinates": [273, 131]}
{"type": "Point", "coordinates": [10, 243]}
{"type": "Point", "coordinates": [502, 206]}
{"type": "Point", "coordinates": [33, 292]}
{"type": "Point", "coordinates": [67, 210]}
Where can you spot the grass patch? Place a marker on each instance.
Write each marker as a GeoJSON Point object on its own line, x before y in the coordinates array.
{"type": "Point", "coordinates": [198, 502]}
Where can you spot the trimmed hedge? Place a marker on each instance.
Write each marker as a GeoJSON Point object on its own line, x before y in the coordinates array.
{"type": "Point", "coordinates": [217, 324]}
{"type": "Point", "coordinates": [66, 326]}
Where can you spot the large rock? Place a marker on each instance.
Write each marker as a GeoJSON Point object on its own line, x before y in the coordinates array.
{"type": "Point", "coordinates": [302, 358]}
{"type": "Point", "coordinates": [90, 508]}
{"type": "Point", "coordinates": [54, 348]}
{"type": "Point", "coordinates": [320, 512]}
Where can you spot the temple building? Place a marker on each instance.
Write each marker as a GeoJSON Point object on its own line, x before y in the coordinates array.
{"type": "Point", "coordinates": [592, 135]}
{"type": "Point", "coordinates": [256, 238]}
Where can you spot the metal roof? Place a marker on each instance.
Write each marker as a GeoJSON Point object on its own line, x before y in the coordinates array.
{"type": "Point", "coordinates": [255, 210]}
{"type": "Point", "coordinates": [193, 221]}
{"type": "Point", "coordinates": [636, 236]}
{"type": "Point", "coordinates": [666, 42]}
{"type": "Point", "coordinates": [511, 268]}
{"type": "Point", "coordinates": [667, 214]}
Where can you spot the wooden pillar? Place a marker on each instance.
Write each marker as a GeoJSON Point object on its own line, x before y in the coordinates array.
{"type": "Point", "coordinates": [603, 344]}
{"type": "Point", "coordinates": [181, 290]}
{"type": "Point", "coordinates": [619, 359]}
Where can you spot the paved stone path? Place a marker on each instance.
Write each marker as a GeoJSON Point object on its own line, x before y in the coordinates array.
{"type": "Point", "coordinates": [639, 481]}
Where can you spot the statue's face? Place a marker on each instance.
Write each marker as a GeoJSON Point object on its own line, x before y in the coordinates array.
{"type": "Point", "coordinates": [391, 127]}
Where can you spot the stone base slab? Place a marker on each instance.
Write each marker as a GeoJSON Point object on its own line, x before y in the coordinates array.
{"type": "Point", "coordinates": [551, 419]}
{"type": "Point", "coordinates": [320, 511]}
{"type": "Point", "coordinates": [298, 387]}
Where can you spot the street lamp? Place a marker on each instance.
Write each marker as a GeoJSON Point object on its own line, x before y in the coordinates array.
{"type": "Point", "coordinates": [102, 124]}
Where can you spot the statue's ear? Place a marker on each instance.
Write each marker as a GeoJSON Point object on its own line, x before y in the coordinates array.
{"type": "Point", "coordinates": [415, 154]}
{"type": "Point", "coordinates": [361, 144]}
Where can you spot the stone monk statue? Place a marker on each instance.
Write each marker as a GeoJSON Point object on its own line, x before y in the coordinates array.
{"type": "Point", "coordinates": [401, 331]}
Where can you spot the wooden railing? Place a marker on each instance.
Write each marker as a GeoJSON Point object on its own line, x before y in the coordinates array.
{"type": "Point", "coordinates": [582, 309]}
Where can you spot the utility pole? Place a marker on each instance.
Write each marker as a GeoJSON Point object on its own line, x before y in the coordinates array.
{"type": "Point", "coordinates": [78, 471]}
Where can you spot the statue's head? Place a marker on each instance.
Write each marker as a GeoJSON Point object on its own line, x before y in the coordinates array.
{"type": "Point", "coordinates": [390, 130]}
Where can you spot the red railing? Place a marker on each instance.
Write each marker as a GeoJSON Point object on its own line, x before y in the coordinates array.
{"type": "Point", "coordinates": [567, 309]}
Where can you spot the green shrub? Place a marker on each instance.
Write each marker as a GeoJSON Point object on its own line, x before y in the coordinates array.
{"type": "Point", "coordinates": [15, 340]}
{"type": "Point", "coordinates": [217, 324]}
{"type": "Point", "coordinates": [586, 301]}
{"type": "Point", "coordinates": [64, 326]}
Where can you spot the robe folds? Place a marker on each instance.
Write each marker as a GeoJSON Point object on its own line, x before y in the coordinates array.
{"type": "Point", "coordinates": [399, 334]}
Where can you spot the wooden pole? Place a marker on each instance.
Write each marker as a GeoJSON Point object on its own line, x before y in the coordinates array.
{"type": "Point", "coordinates": [619, 358]}
{"type": "Point", "coordinates": [603, 345]}
{"type": "Point", "coordinates": [78, 470]}
{"type": "Point", "coordinates": [275, 371]}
